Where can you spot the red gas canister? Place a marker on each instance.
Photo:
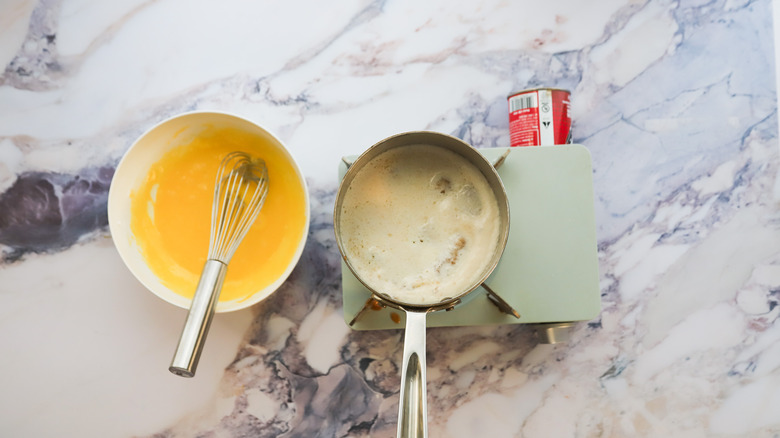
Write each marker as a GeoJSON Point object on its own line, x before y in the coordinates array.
{"type": "Point", "coordinates": [539, 116]}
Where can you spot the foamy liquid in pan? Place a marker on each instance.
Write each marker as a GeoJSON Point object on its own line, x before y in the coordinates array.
{"type": "Point", "coordinates": [419, 223]}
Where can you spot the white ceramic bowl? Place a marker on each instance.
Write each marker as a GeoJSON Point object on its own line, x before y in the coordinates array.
{"type": "Point", "coordinates": [135, 165]}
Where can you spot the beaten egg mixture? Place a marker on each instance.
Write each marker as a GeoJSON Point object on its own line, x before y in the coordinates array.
{"type": "Point", "coordinates": [171, 216]}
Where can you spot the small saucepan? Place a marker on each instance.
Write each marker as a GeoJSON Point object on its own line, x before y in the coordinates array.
{"type": "Point", "coordinates": [421, 219]}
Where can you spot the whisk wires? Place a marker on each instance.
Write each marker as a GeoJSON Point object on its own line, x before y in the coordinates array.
{"type": "Point", "coordinates": [239, 193]}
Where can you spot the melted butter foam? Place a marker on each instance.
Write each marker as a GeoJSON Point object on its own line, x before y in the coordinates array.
{"type": "Point", "coordinates": [419, 223]}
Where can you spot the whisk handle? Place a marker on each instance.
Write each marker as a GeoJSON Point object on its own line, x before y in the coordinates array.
{"type": "Point", "coordinates": [196, 327]}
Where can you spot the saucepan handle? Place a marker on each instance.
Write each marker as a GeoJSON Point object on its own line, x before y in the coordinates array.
{"type": "Point", "coordinates": [412, 410]}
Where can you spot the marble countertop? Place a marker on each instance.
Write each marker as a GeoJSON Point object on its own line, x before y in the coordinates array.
{"type": "Point", "coordinates": [676, 101]}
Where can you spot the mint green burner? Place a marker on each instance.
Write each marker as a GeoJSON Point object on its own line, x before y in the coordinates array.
{"type": "Point", "coordinates": [549, 270]}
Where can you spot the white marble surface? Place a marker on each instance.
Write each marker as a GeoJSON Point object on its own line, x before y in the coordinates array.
{"type": "Point", "coordinates": [675, 100]}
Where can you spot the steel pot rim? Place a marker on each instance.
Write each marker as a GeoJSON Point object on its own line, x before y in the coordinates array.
{"type": "Point", "coordinates": [456, 145]}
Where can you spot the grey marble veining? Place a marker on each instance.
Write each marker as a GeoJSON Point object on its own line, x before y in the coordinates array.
{"type": "Point", "coordinates": [51, 211]}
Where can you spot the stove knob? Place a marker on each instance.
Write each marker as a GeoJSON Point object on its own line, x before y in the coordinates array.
{"type": "Point", "coordinates": [554, 332]}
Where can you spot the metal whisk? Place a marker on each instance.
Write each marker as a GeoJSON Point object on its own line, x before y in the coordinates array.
{"type": "Point", "coordinates": [239, 193]}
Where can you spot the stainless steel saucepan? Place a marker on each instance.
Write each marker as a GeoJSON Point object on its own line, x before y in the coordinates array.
{"type": "Point", "coordinates": [412, 413]}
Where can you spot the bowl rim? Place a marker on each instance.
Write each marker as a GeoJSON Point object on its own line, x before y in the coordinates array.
{"type": "Point", "coordinates": [125, 248]}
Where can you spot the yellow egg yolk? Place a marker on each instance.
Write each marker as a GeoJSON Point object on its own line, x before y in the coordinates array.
{"type": "Point", "coordinates": [171, 216]}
